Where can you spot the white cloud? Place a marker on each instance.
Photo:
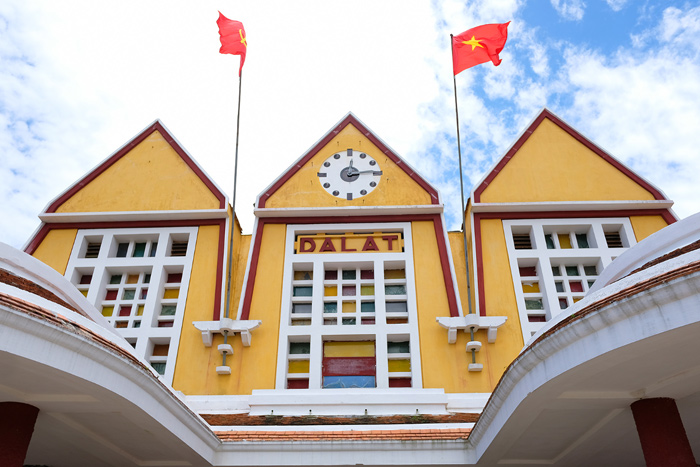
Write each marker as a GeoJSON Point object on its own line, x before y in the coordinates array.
{"type": "Point", "coordinates": [616, 5]}
{"type": "Point", "coordinates": [570, 9]}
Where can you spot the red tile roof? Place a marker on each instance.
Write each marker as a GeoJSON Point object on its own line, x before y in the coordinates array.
{"type": "Point", "coordinates": [342, 435]}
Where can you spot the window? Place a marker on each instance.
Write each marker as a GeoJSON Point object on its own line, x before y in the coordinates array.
{"type": "Point", "coordinates": [138, 287]}
{"type": "Point", "coordinates": [349, 316]}
{"type": "Point", "coordinates": [563, 261]}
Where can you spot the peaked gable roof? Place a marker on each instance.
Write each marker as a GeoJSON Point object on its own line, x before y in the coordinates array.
{"type": "Point", "coordinates": [102, 167]}
{"type": "Point", "coordinates": [349, 119]}
{"type": "Point", "coordinates": [546, 114]}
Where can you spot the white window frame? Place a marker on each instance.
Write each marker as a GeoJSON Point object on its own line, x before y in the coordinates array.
{"type": "Point", "coordinates": [146, 336]}
{"type": "Point", "coordinates": [317, 332]}
{"type": "Point", "coordinates": [543, 258]}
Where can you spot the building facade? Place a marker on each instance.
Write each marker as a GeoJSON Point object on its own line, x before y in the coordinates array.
{"type": "Point", "coordinates": [355, 329]}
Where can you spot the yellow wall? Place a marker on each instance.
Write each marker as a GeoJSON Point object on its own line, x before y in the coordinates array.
{"type": "Point", "coordinates": [644, 226]}
{"type": "Point", "coordinates": [151, 177]}
{"type": "Point", "coordinates": [191, 372]}
{"type": "Point", "coordinates": [304, 189]}
{"type": "Point", "coordinates": [500, 300]}
{"type": "Point", "coordinates": [553, 166]}
{"type": "Point", "coordinates": [56, 247]}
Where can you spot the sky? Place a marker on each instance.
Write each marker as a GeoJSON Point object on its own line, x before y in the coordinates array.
{"type": "Point", "coordinates": [78, 79]}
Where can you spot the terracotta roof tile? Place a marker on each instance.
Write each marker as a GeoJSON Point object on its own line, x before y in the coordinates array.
{"type": "Point", "coordinates": [278, 420]}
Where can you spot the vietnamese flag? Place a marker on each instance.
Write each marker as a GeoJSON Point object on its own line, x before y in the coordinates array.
{"type": "Point", "coordinates": [478, 45]}
{"type": "Point", "coordinates": [233, 38]}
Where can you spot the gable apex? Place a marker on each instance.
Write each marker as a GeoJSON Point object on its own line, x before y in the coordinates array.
{"type": "Point", "coordinates": [103, 166]}
{"type": "Point", "coordinates": [348, 120]}
{"type": "Point", "coordinates": [546, 115]}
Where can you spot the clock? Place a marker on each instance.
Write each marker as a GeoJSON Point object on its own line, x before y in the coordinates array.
{"type": "Point", "coordinates": [349, 174]}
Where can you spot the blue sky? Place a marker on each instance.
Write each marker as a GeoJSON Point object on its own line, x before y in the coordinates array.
{"type": "Point", "coordinates": [80, 78]}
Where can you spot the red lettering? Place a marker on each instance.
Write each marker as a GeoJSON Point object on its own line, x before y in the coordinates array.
{"type": "Point", "coordinates": [390, 240]}
{"type": "Point", "coordinates": [327, 245]}
{"type": "Point", "coordinates": [306, 245]}
{"type": "Point", "coordinates": [342, 245]}
{"type": "Point", "coordinates": [370, 245]}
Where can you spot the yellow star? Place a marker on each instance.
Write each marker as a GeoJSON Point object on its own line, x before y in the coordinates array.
{"type": "Point", "coordinates": [245, 42]}
{"type": "Point", "coordinates": [473, 42]}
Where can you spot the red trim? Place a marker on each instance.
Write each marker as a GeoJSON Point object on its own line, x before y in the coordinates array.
{"type": "Point", "coordinates": [349, 120]}
{"type": "Point", "coordinates": [576, 135]}
{"type": "Point", "coordinates": [435, 218]}
{"type": "Point", "coordinates": [46, 228]}
{"type": "Point", "coordinates": [665, 213]}
{"type": "Point", "coordinates": [661, 433]}
{"type": "Point", "coordinates": [157, 126]}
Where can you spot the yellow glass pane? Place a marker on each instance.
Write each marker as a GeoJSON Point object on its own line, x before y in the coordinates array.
{"type": "Point", "coordinates": [576, 299]}
{"type": "Point", "coordinates": [564, 241]}
{"type": "Point", "coordinates": [303, 275]}
{"type": "Point", "coordinates": [121, 324]}
{"type": "Point", "coordinates": [298, 366]}
{"type": "Point", "coordinates": [107, 311]}
{"type": "Point", "coordinates": [349, 349]}
{"type": "Point", "coordinates": [171, 293]}
{"type": "Point", "coordinates": [367, 290]}
{"type": "Point", "coordinates": [84, 292]}
{"type": "Point", "coordinates": [132, 278]}
{"type": "Point", "coordinates": [349, 307]}
{"type": "Point", "coordinates": [399, 366]}
{"type": "Point", "coordinates": [531, 288]}
{"type": "Point", "coordinates": [331, 291]}
{"type": "Point", "coordinates": [395, 274]}
{"type": "Point", "coordinates": [139, 311]}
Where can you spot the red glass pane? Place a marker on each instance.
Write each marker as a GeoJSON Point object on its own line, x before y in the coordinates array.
{"type": "Point", "coordinates": [399, 382]}
{"type": "Point", "coordinates": [349, 366]}
{"type": "Point", "coordinates": [175, 278]}
{"type": "Point", "coordinates": [165, 324]}
{"type": "Point", "coordinates": [125, 310]}
{"type": "Point", "coordinates": [367, 274]}
{"type": "Point", "coordinates": [86, 279]}
{"type": "Point", "coordinates": [331, 275]}
{"type": "Point", "coordinates": [298, 384]}
{"type": "Point", "coordinates": [349, 290]}
{"type": "Point", "coordinates": [576, 286]}
{"type": "Point", "coordinates": [111, 295]}
{"type": "Point", "coordinates": [528, 271]}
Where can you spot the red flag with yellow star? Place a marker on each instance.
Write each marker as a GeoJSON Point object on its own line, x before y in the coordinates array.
{"type": "Point", "coordinates": [478, 45]}
{"type": "Point", "coordinates": [233, 38]}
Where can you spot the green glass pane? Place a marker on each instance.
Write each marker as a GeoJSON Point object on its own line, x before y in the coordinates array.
{"type": "Point", "coordinates": [556, 271]}
{"type": "Point", "coordinates": [146, 278]}
{"type": "Point", "coordinates": [159, 367]}
{"type": "Point", "coordinates": [349, 321]}
{"type": "Point", "coordinates": [367, 307]}
{"type": "Point", "coordinates": [572, 270]}
{"type": "Point", "coordinates": [137, 324]}
{"type": "Point", "coordinates": [330, 307]}
{"type": "Point", "coordinates": [129, 294]}
{"type": "Point", "coordinates": [559, 286]}
{"type": "Point", "coordinates": [398, 347]}
{"type": "Point", "coordinates": [582, 240]}
{"type": "Point", "coordinates": [549, 241]}
{"type": "Point", "coordinates": [590, 270]}
{"type": "Point", "coordinates": [139, 250]}
{"type": "Point", "coordinates": [299, 348]}
{"type": "Point", "coordinates": [167, 310]}
{"type": "Point", "coordinates": [303, 291]}
{"type": "Point", "coordinates": [349, 274]}
{"type": "Point", "coordinates": [115, 279]}
{"type": "Point", "coordinates": [395, 289]}
{"type": "Point", "coordinates": [534, 304]}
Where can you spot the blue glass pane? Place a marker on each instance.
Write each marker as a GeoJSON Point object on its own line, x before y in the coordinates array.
{"type": "Point", "coordinates": [303, 291]}
{"type": "Point", "coordinates": [342, 382]}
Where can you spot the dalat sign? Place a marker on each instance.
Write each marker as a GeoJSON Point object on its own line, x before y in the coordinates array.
{"type": "Point", "coordinates": [382, 242]}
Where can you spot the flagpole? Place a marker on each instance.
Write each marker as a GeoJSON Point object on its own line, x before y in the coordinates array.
{"type": "Point", "coordinates": [461, 185]}
{"type": "Point", "coordinates": [233, 203]}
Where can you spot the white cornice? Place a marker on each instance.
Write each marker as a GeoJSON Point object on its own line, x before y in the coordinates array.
{"type": "Point", "coordinates": [350, 211]}
{"type": "Point", "coordinates": [571, 206]}
{"type": "Point", "coordinates": [132, 216]}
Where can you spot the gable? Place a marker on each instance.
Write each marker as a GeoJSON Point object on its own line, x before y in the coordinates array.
{"type": "Point", "coordinates": [150, 173]}
{"type": "Point", "coordinates": [553, 162]}
{"type": "Point", "coordinates": [301, 185]}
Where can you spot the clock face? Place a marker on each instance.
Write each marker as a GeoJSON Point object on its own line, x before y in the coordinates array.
{"type": "Point", "coordinates": [349, 174]}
